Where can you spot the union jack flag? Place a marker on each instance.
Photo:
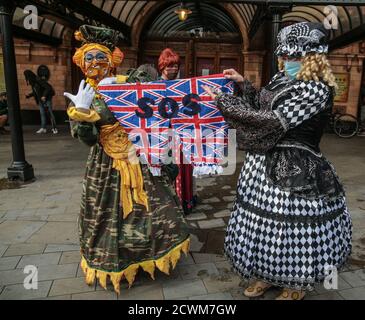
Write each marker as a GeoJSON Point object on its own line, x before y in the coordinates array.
{"type": "Point", "coordinates": [149, 134]}
{"type": "Point", "coordinates": [204, 135]}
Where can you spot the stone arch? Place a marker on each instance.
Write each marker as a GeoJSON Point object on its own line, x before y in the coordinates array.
{"type": "Point", "coordinates": [152, 7]}
{"type": "Point", "coordinates": [239, 22]}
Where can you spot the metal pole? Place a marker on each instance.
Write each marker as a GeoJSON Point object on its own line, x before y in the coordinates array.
{"type": "Point", "coordinates": [275, 25]}
{"type": "Point", "coordinates": [19, 169]}
{"type": "Point", "coordinates": [277, 12]}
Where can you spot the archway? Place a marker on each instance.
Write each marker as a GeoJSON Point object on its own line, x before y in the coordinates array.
{"type": "Point", "coordinates": [205, 46]}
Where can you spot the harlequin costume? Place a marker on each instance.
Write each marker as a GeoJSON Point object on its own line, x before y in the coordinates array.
{"type": "Point", "coordinates": [290, 223]}
{"type": "Point", "coordinates": [129, 220]}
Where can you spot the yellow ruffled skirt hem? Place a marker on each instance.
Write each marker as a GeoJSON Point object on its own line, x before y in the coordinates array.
{"type": "Point", "coordinates": [164, 264]}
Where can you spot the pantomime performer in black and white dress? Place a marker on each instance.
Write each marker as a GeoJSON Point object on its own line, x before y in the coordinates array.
{"type": "Point", "coordinates": [289, 226]}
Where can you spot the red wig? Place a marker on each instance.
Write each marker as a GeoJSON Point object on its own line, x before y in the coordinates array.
{"type": "Point", "coordinates": [167, 58]}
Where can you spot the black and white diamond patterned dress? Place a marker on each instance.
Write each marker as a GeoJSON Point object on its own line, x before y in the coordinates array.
{"type": "Point", "coordinates": [289, 224]}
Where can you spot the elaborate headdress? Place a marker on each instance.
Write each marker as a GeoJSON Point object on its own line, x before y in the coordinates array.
{"type": "Point", "coordinates": [98, 38]}
{"type": "Point", "coordinates": [301, 38]}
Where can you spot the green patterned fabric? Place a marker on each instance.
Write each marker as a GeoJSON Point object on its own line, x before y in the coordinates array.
{"type": "Point", "coordinates": [109, 242]}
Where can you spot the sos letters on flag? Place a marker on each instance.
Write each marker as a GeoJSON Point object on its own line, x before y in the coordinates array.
{"type": "Point", "coordinates": [175, 115]}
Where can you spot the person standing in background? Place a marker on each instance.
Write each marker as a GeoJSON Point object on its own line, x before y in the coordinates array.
{"type": "Point", "coordinates": [42, 92]}
{"type": "Point", "coordinates": [169, 66]}
{"type": "Point", "coordinates": [3, 112]}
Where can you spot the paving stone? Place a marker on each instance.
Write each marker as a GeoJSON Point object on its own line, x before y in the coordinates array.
{"type": "Point", "coordinates": [70, 257]}
{"type": "Point", "coordinates": [79, 273]}
{"type": "Point", "coordinates": [207, 257]}
{"type": "Point", "coordinates": [224, 266]}
{"type": "Point", "coordinates": [60, 197]}
{"type": "Point", "coordinates": [3, 248]}
{"type": "Point", "coordinates": [41, 205]}
{"type": "Point", "coordinates": [342, 284]}
{"type": "Point", "coordinates": [143, 291]}
{"type": "Point", "coordinates": [203, 207]}
{"type": "Point", "coordinates": [226, 187]}
{"type": "Point", "coordinates": [196, 216]}
{"type": "Point", "coordinates": [15, 213]}
{"type": "Point", "coordinates": [33, 218]}
{"type": "Point", "coordinates": [220, 283]}
{"type": "Point", "coordinates": [54, 210]}
{"type": "Point", "coordinates": [15, 276]}
{"type": "Point", "coordinates": [18, 231]}
{"type": "Point", "coordinates": [185, 288]}
{"type": "Point", "coordinates": [214, 296]}
{"type": "Point", "coordinates": [222, 214]}
{"type": "Point", "coordinates": [24, 249]}
{"type": "Point", "coordinates": [70, 286]}
{"type": "Point", "coordinates": [53, 272]}
{"type": "Point", "coordinates": [56, 233]}
{"type": "Point", "coordinates": [196, 271]}
{"type": "Point", "coordinates": [354, 278]}
{"type": "Point", "coordinates": [192, 225]}
{"type": "Point", "coordinates": [353, 294]}
{"type": "Point", "coordinates": [8, 263]}
{"type": "Point", "coordinates": [62, 217]}
{"type": "Point", "coordinates": [211, 200]}
{"type": "Point", "coordinates": [210, 224]}
{"type": "Point", "coordinates": [62, 247]}
{"type": "Point", "coordinates": [18, 292]}
{"type": "Point", "coordinates": [12, 205]}
{"type": "Point", "coordinates": [96, 295]}
{"type": "Point", "coordinates": [40, 259]}
{"type": "Point", "coordinates": [195, 244]}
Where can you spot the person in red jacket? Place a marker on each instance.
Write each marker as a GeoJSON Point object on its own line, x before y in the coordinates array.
{"type": "Point", "coordinates": [169, 66]}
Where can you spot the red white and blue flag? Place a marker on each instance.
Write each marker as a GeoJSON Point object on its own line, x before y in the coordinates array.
{"type": "Point", "coordinates": [148, 132]}
{"type": "Point", "coordinates": [148, 110]}
{"type": "Point", "coordinates": [203, 131]}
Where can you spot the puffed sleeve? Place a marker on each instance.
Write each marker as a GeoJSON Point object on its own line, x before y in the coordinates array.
{"type": "Point", "coordinates": [82, 125]}
{"type": "Point", "coordinates": [247, 90]}
{"type": "Point", "coordinates": [306, 100]}
{"type": "Point", "coordinates": [259, 130]}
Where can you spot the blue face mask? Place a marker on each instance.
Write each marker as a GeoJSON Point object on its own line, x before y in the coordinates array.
{"type": "Point", "coordinates": [292, 68]}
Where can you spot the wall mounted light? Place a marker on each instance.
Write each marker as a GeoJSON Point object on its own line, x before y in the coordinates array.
{"type": "Point", "coordinates": [183, 12]}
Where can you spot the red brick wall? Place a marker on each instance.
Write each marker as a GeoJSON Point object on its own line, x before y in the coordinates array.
{"type": "Point", "coordinates": [29, 55]}
{"type": "Point", "coordinates": [349, 60]}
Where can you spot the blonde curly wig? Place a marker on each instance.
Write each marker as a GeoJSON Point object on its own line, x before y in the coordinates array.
{"type": "Point", "coordinates": [314, 67]}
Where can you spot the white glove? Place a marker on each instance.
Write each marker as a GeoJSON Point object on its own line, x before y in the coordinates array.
{"type": "Point", "coordinates": [84, 97]}
{"type": "Point", "coordinates": [107, 81]}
